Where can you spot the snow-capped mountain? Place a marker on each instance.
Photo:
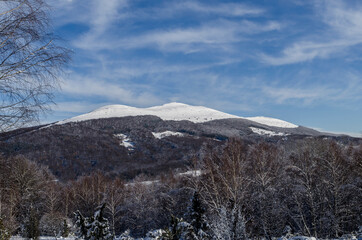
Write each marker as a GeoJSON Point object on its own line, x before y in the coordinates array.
{"type": "Point", "coordinates": [127, 141]}
{"type": "Point", "coordinates": [173, 111]}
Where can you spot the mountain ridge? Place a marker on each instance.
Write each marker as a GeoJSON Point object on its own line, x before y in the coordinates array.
{"type": "Point", "coordinates": [173, 111]}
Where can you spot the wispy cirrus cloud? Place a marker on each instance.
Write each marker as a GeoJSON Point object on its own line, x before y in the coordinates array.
{"type": "Point", "coordinates": [346, 91]}
{"type": "Point", "coordinates": [217, 34]}
{"type": "Point", "coordinates": [85, 87]}
{"type": "Point", "coordinates": [221, 9]}
{"type": "Point", "coordinates": [307, 95]}
{"type": "Point", "coordinates": [104, 29]}
{"type": "Point", "coordinates": [77, 106]}
{"type": "Point", "coordinates": [172, 9]}
{"type": "Point", "coordinates": [344, 30]}
{"type": "Point", "coordinates": [103, 15]}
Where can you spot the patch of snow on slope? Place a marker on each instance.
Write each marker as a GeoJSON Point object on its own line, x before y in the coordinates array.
{"type": "Point", "coordinates": [273, 122]}
{"type": "Point", "coordinates": [160, 135]}
{"type": "Point", "coordinates": [172, 111]}
{"type": "Point", "coordinates": [145, 183]}
{"type": "Point", "coordinates": [125, 141]}
{"type": "Point", "coordinates": [192, 173]}
{"type": "Point", "coordinates": [267, 132]}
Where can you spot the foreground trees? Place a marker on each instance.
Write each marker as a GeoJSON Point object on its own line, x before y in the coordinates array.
{"type": "Point", "coordinates": [244, 191]}
{"type": "Point", "coordinates": [315, 188]}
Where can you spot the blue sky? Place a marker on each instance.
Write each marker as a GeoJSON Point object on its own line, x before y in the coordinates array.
{"type": "Point", "coordinates": [300, 61]}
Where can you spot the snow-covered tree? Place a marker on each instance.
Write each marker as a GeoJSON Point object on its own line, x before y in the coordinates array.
{"type": "Point", "coordinates": [125, 236]}
{"type": "Point", "coordinates": [179, 230]}
{"type": "Point", "coordinates": [52, 224]}
{"type": "Point", "coordinates": [95, 227]}
{"type": "Point", "coordinates": [155, 234]}
{"type": "Point", "coordinates": [228, 225]}
{"type": "Point", "coordinates": [66, 228]}
{"type": "Point", "coordinates": [287, 233]}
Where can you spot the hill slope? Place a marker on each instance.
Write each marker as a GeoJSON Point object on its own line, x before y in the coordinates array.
{"type": "Point", "coordinates": [127, 145]}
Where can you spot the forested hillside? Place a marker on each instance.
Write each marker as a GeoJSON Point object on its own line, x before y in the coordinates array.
{"type": "Point", "coordinates": [310, 187]}
{"type": "Point", "coordinates": [128, 146]}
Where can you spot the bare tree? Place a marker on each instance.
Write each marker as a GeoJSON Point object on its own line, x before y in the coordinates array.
{"type": "Point", "coordinates": [223, 189]}
{"type": "Point", "coordinates": [114, 199]}
{"type": "Point", "coordinates": [30, 61]}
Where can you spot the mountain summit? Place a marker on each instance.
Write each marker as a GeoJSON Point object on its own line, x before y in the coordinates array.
{"type": "Point", "coordinates": [173, 111]}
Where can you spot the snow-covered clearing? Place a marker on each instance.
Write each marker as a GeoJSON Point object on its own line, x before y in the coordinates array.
{"type": "Point", "coordinates": [125, 141]}
{"type": "Point", "coordinates": [267, 132]}
{"type": "Point", "coordinates": [273, 122]}
{"type": "Point", "coordinates": [160, 135]}
{"type": "Point", "coordinates": [192, 173]}
{"type": "Point", "coordinates": [144, 183]}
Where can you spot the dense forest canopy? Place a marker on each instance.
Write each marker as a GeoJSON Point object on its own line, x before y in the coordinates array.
{"type": "Point", "coordinates": [313, 188]}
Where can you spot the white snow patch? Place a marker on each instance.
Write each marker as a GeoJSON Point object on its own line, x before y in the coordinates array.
{"type": "Point", "coordinates": [267, 132]}
{"type": "Point", "coordinates": [144, 183]}
{"type": "Point", "coordinates": [172, 111]}
{"type": "Point", "coordinates": [125, 141]}
{"type": "Point", "coordinates": [192, 173]}
{"type": "Point", "coordinates": [160, 135]}
{"type": "Point", "coordinates": [273, 122]}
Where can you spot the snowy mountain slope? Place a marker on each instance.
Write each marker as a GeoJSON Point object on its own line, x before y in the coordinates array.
{"type": "Point", "coordinates": [173, 111]}
{"type": "Point", "coordinates": [272, 122]}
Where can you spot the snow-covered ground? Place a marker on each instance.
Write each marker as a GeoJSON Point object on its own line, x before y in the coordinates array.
{"type": "Point", "coordinates": [172, 111]}
{"type": "Point", "coordinates": [273, 122]}
{"type": "Point", "coordinates": [125, 141]}
{"type": "Point", "coordinates": [160, 135]}
{"type": "Point", "coordinates": [191, 173]}
{"type": "Point", "coordinates": [43, 238]}
{"type": "Point", "coordinates": [267, 132]}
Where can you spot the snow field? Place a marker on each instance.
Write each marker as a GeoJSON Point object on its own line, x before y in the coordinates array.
{"type": "Point", "coordinates": [172, 111]}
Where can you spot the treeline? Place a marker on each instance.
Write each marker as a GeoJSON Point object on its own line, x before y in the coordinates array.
{"type": "Point", "coordinates": [312, 187]}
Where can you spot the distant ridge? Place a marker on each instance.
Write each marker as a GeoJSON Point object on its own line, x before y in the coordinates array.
{"type": "Point", "coordinates": [173, 111]}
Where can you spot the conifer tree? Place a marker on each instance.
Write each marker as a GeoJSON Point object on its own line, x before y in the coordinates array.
{"type": "Point", "coordinates": [198, 218]}
{"type": "Point", "coordinates": [65, 230]}
{"type": "Point", "coordinates": [179, 230]}
{"type": "Point", "coordinates": [32, 225]}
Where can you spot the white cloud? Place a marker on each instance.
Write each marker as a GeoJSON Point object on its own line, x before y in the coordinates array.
{"type": "Point", "coordinates": [225, 9]}
{"type": "Point", "coordinates": [76, 107]}
{"type": "Point", "coordinates": [304, 51]}
{"type": "Point", "coordinates": [211, 35]}
{"type": "Point", "coordinates": [100, 19]}
{"type": "Point", "coordinates": [87, 87]}
{"type": "Point", "coordinates": [103, 20]}
{"type": "Point", "coordinates": [131, 69]}
{"type": "Point", "coordinates": [344, 31]}
{"type": "Point", "coordinates": [307, 95]}
{"type": "Point", "coordinates": [172, 9]}
{"type": "Point", "coordinates": [344, 91]}
{"type": "Point", "coordinates": [352, 134]}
